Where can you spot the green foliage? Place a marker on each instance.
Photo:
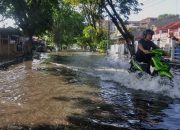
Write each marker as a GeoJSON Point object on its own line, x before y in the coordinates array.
{"type": "Point", "coordinates": [90, 32]}
{"type": "Point", "coordinates": [64, 23]}
{"type": "Point", "coordinates": [48, 37]}
{"type": "Point", "coordinates": [52, 20]}
{"type": "Point", "coordinates": [67, 25]}
{"type": "Point", "coordinates": [90, 35]}
{"type": "Point", "coordinates": [166, 16]}
{"type": "Point", "coordinates": [123, 7]}
{"type": "Point", "coordinates": [90, 9]}
{"type": "Point", "coordinates": [101, 34]}
{"type": "Point", "coordinates": [32, 16]}
{"type": "Point", "coordinates": [118, 10]}
{"type": "Point", "coordinates": [102, 46]}
{"type": "Point", "coordinates": [93, 38]}
{"type": "Point", "coordinates": [72, 2]}
{"type": "Point", "coordinates": [82, 42]}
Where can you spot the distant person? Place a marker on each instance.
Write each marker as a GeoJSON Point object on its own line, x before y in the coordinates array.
{"type": "Point", "coordinates": [171, 35]}
{"type": "Point", "coordinates": [144, 46]}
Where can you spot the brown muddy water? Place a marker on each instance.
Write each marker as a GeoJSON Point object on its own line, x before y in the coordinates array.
{"type": "Point", "coordinates": [85, 91]}
{"type": "Point", "coordinates": [31, 97]}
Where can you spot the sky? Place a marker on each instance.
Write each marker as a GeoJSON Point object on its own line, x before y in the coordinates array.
{"type": "Point", "coordinates": [154, 8]}
{"type": "Point", "coordinates": [8, 22]}
{"type": "Point", "coordinates": [151, 8]}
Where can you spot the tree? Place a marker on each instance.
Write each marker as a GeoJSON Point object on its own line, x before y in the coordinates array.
{"type": "Point", "coordinates": [90, 34]}
{"type": "Point", "coordinates": [67, 25]}
{"type": "Point", "coordinates": [32, 16]}
{"type": "Point", "coordinates": [165, 16]}
{"type": "Point", "coordinates": [118, 11]}
{"type": "Point", "coordinates": [90, 10]}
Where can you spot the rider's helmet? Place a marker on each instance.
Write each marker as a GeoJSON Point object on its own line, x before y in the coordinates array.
{"type": "Point", "coordinates": [148, 31]}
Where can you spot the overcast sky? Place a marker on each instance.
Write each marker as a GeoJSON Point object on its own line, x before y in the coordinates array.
{"type": "Point", "coordinates": [6, 23]}
{"type": "Point", "coordinates": [154, 8]}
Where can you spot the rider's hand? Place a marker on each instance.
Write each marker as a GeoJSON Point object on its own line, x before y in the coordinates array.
{"type": "Point", "coordinates": [146, 51]}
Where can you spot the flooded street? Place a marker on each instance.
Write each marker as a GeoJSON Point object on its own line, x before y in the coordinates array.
{"type": "Point", "coordinates": [31, 97]}
{"type": "Point", "coordinates": [85, 91]}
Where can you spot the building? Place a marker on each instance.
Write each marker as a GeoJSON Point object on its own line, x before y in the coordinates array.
{"type": "Point", "coordinates": [162, 33]}
{"type": "Point", "coordinates": [10, 42]}
{"type": "Point", "coordinates": [145, 22]}
{"type": "Point", "coordinates": [113, 33]}
{"type": "Point", "coordinates": [107, 25]}
{"type": "Point", "coordinates": [133, 24]}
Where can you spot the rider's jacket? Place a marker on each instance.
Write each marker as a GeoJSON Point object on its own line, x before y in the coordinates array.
{"type": "Point", "coordinates": [147, 45]}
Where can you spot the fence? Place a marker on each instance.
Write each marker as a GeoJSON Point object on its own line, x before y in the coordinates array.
{"type": "Point", "coordinates": [175, 50]}
{"type": "Point", "coordinates": [177, 53]}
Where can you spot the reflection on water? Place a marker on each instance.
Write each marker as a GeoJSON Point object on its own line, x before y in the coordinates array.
{"type": "Point", "coordinates": [35, 93]}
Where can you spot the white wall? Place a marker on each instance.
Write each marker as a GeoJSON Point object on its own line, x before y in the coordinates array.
{"type": "Point", "coordinates": [117, 49]}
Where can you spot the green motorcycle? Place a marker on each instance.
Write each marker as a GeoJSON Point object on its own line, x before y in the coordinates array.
{"type": "Point", "coordinates": [160, 65]}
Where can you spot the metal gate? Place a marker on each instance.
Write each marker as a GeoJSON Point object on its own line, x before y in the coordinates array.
{"type": "Point", "coordinates": [177, 52]}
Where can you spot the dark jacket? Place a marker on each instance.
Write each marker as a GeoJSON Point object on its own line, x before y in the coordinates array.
{"type": "Point", "coordinates": [147, 45]}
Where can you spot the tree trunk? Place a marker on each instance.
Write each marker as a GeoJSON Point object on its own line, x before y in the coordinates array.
{"type": "Point", "coordinates": [122, 29]}
{"type": "Point", "coordinates": [29, 51]}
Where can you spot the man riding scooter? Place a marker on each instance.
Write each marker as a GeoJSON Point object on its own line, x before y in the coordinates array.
{"type": "Point", "coordinates": [145, 45]}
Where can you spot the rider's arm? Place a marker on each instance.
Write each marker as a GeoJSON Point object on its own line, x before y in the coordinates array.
{"type": "Point", "coordinates": [142, 49]}
{"type": "Point", "coordinates": [154, 46]}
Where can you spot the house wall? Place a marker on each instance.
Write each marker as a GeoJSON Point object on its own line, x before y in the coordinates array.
{"type": "Point", "coordinates": [164, 37]}
{"type": "Point", "coordinates": [8, 46]}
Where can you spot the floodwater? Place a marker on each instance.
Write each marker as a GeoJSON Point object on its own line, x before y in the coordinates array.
{"type": "Point", "coordinates": [88, 90]}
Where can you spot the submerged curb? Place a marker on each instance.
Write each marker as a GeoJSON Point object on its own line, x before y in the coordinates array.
{"type": "Point", "coordinates": [6, 64]}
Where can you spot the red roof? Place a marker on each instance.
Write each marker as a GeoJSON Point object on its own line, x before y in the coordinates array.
{"type": "Point", "coordinates": [174, 25]}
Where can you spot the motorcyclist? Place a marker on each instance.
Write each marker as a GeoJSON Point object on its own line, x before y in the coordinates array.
{"type": "Point", "coordinates": [144, 46]}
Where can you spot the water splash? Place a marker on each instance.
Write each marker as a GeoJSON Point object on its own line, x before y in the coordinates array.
{"type": "Point", "coordinates": [114, 68]}
{"type": "Point", "coordinates": [117, 72]}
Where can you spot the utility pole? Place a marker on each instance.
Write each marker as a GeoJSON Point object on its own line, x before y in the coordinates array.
{"type": "Point", "coordinates": [108, 27]}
